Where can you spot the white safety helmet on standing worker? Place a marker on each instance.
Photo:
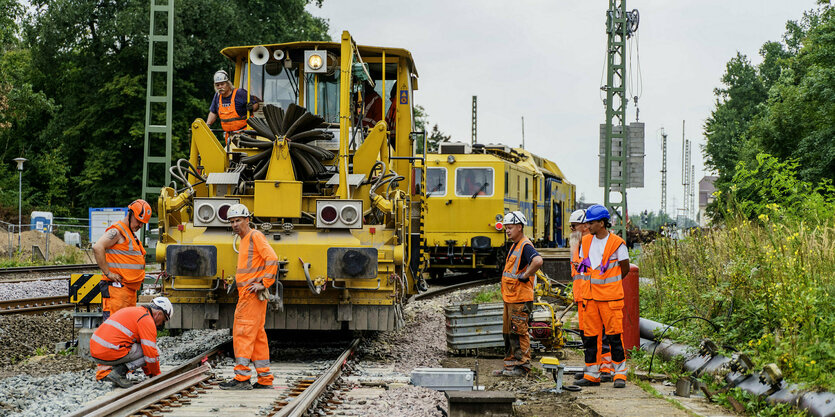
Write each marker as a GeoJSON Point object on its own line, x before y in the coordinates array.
{"type": "Point", "coordinates": [164, 304]}
{"type": "Point", "coordinates": [221, 77]}
{"type": "Point", "coordinates": [577, 216]}
{"type": "Point", "coordinates": [237, 210]}
{"type": "Point", "coordinates": [515, 217]}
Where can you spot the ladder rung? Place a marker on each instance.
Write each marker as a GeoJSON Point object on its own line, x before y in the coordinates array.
{"type": "Point", "coordinates": [159, 38]}
{"type": "Point", "coordinates": [156, 159]}
{"type": "Point", "coordinates": [159, 68]}
{"type": "Point", "coordinates": [157, 129]}
{"type": "Point", "coordinates": [158, 99]}
{"type": "Point", "coordinates": [160, 8]}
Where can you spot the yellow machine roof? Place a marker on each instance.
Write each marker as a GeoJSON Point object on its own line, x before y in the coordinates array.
{"type": "Point", "coordinates": [236, 52]}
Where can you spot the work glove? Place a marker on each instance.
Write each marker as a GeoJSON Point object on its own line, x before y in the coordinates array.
{"type": "Point", "coordinates": [521, 278]}
{"type": "Point", "coordinates": [250, 106]}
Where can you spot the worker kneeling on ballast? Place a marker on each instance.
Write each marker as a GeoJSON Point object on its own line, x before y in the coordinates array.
{"type": "Point", "coordinates": [517, 293]}
{"type": "Point", "coordinates": [257, 269]}
{"type": "Point", "coordinates": [128, 341]}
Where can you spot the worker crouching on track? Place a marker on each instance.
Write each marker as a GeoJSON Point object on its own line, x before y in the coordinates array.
{"type": "Point", "coordinates": [121, 258]}
{"type": "Point", "coordinates": [257, 268]}
{"type": "Point", "coordinates": [128, 341]}
{"type": "Point", "coordinates": [517, 293]}
{"type": "Point", "coordinates": [605, 260]}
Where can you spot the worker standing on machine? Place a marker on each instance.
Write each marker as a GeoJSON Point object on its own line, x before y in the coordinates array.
{"type": "Point", "coordinates": [523, 261]}
{"type": "Point", "coordinates": [605, 260]}
{"type": "Point", "coordinates": [121, 258]}
{"type": "Point", "coordinates": [128, 341]}
{"type": "Point", "coordinates": [230, 104]}
{"type": "Point", "coordinates": [257, 268]}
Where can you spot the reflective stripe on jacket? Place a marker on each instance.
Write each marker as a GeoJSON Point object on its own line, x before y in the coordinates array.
{"type": "Point", "coordinates": [114, 338]}
{"type": "Point", "coordinates": [257, 262]}
{"type": "Point", "coordinates": [581, 280]}
{"type": "Point", "coordinates": [513, 290]}
{"type": "Point", "coordinates": [127, 258]}
{"type": "Point", "coordinates": [230, 120]}
{"type": "Point", "coordinates": [604, 279]}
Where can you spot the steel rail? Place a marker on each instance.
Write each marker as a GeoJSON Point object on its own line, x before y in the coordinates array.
{"type": "Point", "coordinates": [46, 268]}
{"type": "Point", "coordinates": [455, 287]}
{"type": "Point", "coordinates": [306, 399]}
{"type": "Point", "coordinates": [30, 305]}
{"type": "Point", "coordinates": [151, 385]}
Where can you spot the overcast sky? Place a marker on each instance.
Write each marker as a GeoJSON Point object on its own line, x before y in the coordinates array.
{"type": "Point", "coordinates": [543, 60]}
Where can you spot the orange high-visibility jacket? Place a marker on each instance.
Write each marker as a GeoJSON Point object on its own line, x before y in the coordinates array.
{"type": "Point", "coordinates": [257, 262]}
{"type": "Point", "coordinates": [115, 337]}
{"type": "Point", "coordinates": [127, 258]}
{"type": "Point", "coordinates": [513, 290]}
{"type": "Point", "coordinates": [230, 120]}
{"type": "Point", "coordinates": [605, 279]}
{"type": "Point", "coordinates": [581, 281]}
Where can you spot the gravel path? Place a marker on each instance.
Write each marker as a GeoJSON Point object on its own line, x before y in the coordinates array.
{"type": "Point", "coordinates": [21, 336]}
{"type": "Point", "coordinates": [33, 289]}
{"type": "Point", "coordinates": [52, 395]}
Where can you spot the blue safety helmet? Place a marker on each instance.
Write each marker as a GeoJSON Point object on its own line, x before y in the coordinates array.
{"type": "Point", "coordinates": [596, 212]}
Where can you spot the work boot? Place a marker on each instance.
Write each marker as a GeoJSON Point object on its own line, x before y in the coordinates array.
{"type": "Point", "coordinates": [605, 377]}
{"type": "Point", "coordinates": [586, 383]}
{"type": "Point", "coordinates": [258, 385]}
{"type": "Point", "coordinates": [234, 384]}
{"type": "Point", "coordinates": [620, 383]}
{"type": "Point", "coordinates": [578, 376]}
{"type": "Point", "coordinates": [118, 378]}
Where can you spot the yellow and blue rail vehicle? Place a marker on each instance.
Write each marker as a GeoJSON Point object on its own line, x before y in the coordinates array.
{"type": "Point", "coordinates": [468, 191]}
{"type": "Point", "coordinates": [333, 186]}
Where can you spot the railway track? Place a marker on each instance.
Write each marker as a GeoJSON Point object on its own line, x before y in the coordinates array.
{"type": "Point", "coordinates": [35, 305]}
{"type": "Point", "coordinates": [18, 270]}
{"type": "Point", "coordinates": [191, 390]}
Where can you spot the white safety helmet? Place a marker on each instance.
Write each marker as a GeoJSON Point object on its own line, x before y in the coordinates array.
{"type": "Point", "coordinates": [577, 216]}
{"type": "Point", "coordinates": [164, 304]}
{"type": "Point", "coordinates": [515, 217]}
{"type": "Point", "coordinates": [237, 210]}
{"type": "Point", "coordinates": [221, 76]}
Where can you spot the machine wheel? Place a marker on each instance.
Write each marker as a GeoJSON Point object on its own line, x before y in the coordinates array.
{"type": "Point", "coordinates": [436, 273]}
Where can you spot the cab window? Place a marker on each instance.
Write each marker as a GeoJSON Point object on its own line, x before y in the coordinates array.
{"type": "Point", "coordinates": [435, 182]}
{"type": "Point", "coordinates": [474, 182]}
{"type": "Point", "coordinates": [273, 83]}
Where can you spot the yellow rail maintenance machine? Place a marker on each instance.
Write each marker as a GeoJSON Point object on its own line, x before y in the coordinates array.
{"type": "Point", "coordinates": [326, 166]}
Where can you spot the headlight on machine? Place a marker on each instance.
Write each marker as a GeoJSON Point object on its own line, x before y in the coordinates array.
{"type": "Point", "coordinates": [349, 214]}
{"type": "Point", "coordinates": [205, 213]}
{"type": "Point", "coordinates": [339, 214]}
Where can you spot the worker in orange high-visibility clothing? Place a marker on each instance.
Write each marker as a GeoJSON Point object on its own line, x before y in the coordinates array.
{"type": "Point", "coordinates": [257, 268]}
{"type": "Point", "coordinates": [580, 280]}
{"type": "Point", "coordinates": [128, 340]}
{"type": "Point", "coordinates": [605, 260]}
{"type": "Point", "coordinates": [121, 258]}
{"type": "Point", "coordinates": [230, 104]}
{"type": "Point", "coordinates": [517, 293]}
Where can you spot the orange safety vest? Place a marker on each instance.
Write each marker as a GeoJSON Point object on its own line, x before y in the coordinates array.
{"type": "Point", "coordinates": [127, 258]}
{"type": "Point", "coordinates": [581, 281]}
{"type": "Point", "coordinates": [257, 261]}
{"type": "Point", "coordinates": [604, 279]}
{"type": "Point", "coordinates": [230, 120]}
{"type": "Point", "coordinates": [115, 337]}
{"type": "Point", "coordinates": [513, 290]}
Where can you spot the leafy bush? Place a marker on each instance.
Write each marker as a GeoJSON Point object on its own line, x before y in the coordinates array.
{"type": "Point", "coordinates": [767, 283]}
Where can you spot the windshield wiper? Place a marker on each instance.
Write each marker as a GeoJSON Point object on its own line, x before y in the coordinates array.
{"type": "Point", "coordinates": [483, 186]}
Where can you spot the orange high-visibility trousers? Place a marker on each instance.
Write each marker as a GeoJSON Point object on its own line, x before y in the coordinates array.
{"type": "Point", "coordinates": [120, 297]}
{"type": "Point", "coordinates": [600, 315]}
{"type": "Point", "coordinates": [249, 339]}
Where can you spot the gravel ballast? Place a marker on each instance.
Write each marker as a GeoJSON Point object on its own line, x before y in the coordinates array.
{"type": "Point", "coordinates": [52, 395]}
{"type": "Point", "coordinates": [33, 289]}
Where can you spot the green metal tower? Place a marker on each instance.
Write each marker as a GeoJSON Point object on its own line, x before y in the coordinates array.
{"type": "Point", "coordinates": [157, 154]}
{"type": "Point", "coordinates": [620, 25]}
